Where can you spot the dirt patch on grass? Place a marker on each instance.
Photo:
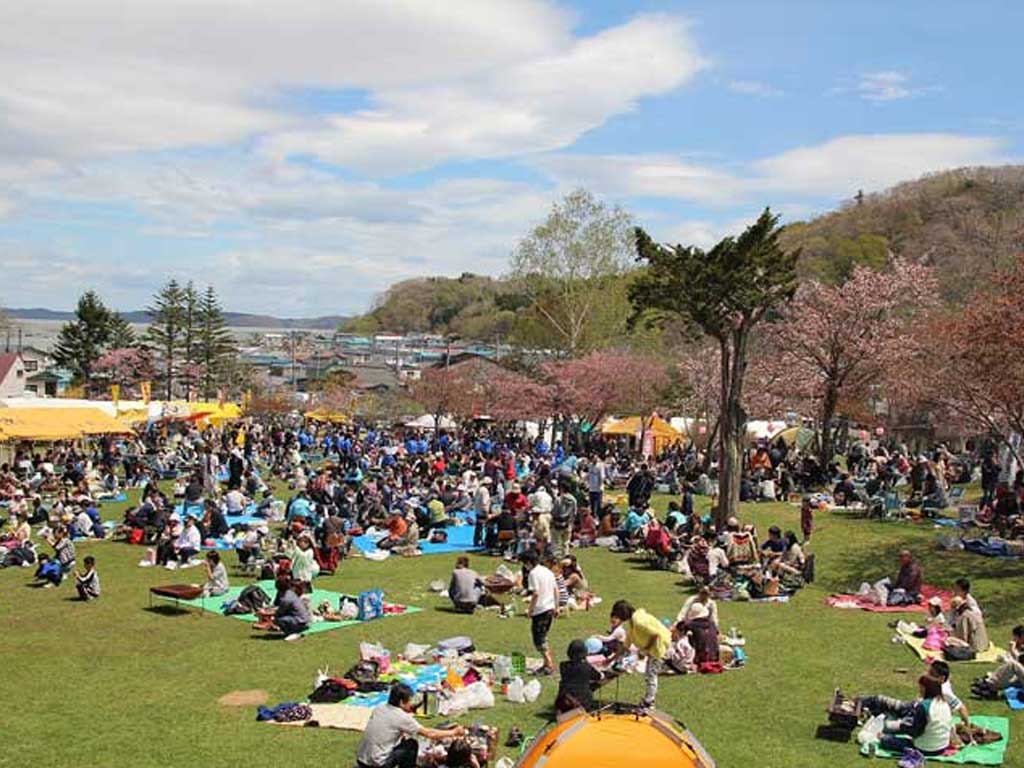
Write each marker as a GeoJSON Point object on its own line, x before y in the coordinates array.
{"type": "Point", "coordinates": [252, 698]}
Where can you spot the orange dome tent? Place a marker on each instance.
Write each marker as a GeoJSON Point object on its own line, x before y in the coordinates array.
{"type": "Point", "coordinates": [614, 737]}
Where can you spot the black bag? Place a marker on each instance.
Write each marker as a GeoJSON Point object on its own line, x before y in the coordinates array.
{"type": "Point", "coordinates": [330, 692]}
{"type": "Point", "coordinates": [959, 653]}
{"type": "Point", "coordinates": [363, 672]}
{"type": "Point", "coordinates": [251, 599]}
{"type": "Point", "coordinates": [808, 573]}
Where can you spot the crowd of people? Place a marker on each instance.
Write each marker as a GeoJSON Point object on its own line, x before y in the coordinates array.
{"type": "Point", "coordinates": [289, 497]}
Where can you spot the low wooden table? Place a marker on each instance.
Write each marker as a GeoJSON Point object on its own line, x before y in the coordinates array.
{"type": "Point", "coordinates": [177, 593]}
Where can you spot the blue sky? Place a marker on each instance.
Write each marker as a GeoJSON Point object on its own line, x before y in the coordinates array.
{"type": "Point", "coordinates": [304, 157]}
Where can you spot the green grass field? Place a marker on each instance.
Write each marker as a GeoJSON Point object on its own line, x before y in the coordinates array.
{"type": "Point", "coordinates": [113, 683]}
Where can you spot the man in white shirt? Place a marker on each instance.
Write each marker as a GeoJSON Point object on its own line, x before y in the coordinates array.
{"type": "Point", "coordinates": [235, 501]}
{"type": "Point", "coordinates": [543, 588]}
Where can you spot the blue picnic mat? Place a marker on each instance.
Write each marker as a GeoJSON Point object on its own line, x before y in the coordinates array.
{"type": "Point", "coordinates": [1014, 698]}
{"type": "Point", "coordinates": [421, 677]}
{"type": "Point", "coordinates": [460, 539]}
{"type": "Point", "coordinates": [196, 510]}
{"type": "Point", "coordinates": [119, 498]}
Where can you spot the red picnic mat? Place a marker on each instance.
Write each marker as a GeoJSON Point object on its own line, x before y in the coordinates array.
{"type": "Point", "coordinates": [856, 601]}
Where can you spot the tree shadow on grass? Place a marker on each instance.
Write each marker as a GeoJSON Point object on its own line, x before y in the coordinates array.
{"type": "Point", "coordinates": [997, 581]}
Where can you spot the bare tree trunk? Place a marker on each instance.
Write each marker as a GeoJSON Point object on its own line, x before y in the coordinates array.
{"type": "Point", "coordinates": [733, 425]}
{"type": "Point", "coordinates": [712, 437]}
{"type": "Point", "coordinates": [827, 445]}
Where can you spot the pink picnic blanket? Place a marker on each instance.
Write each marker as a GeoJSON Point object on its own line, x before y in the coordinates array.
{"type": "Point", "coordinates": [856, 601]}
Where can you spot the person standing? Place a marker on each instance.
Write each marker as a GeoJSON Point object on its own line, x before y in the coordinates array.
{"type": "Point", "coordinates": [543, 588]}
{"type": "Point", "coordinates": [563, 519]}
{"type": "Point", "coordinates": [481, 509]}
{"type": "Point", "coordinates": [650, 637]}
{"type": "Point", "coordinates": [596, 476]}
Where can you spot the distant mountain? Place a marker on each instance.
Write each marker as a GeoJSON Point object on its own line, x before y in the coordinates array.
{"type": "Point", "coordinates": [233, 319]}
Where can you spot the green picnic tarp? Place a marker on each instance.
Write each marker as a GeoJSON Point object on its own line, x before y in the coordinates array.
{"type": "Point", "coordinates": [984, 754]}
{"type": "Point", "coordinates": [213, 605]}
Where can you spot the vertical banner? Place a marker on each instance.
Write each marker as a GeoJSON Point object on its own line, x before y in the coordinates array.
{"type": "Point", "coordinates": [115, 393]}
{"type": "Point", "coordinates": [146, 389]}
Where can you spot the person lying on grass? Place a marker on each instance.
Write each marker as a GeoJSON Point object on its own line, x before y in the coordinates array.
{"type": "Point", "coordinates": [291, 615]}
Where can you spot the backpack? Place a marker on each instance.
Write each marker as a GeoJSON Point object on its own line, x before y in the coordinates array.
{"type": "Point", "coordinates": [808, 573]}
{"type": "Point", "coordinates": [251, 599]}
{"type": "Point", "coordinates": [364, 672]}
{"type": "Point", "coordinates": [330, 692]}
{"type": "Point", "coordinates": [563, 512]}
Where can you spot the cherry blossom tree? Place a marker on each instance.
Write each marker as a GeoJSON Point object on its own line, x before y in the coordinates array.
{"type": "Point", "coordinates": [125, 367]}
{"type": "Point", "coordinates": [966, 364]}
{"type": "Point", "coordinates": [835, 342]}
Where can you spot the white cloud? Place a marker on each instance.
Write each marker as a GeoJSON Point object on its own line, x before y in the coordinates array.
{"type": "Point", "coordinates": [884, 86]}
{"type": "Point", "coordinates": [753, 88]}
{"type": "Point", "coordinates": [832, 170]}
{"type": "Point", "coordinates": [539, 104]}
{"type": "Point", "coordinates": [453, 79]}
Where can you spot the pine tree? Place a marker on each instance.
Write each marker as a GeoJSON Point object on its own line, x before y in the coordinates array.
{"type": "Point", "coordinates": [724, 293]}
{"type": "Point", "coordinates": [121, 335]}
{"type": "Point", "coordinates": [167, 329]}
{"type": "Point", "coordinates": [82, 341]}
{"type": "Point", "coordinates": [215, 349]}
{"type": "Point", "coordinates": [190, 300]}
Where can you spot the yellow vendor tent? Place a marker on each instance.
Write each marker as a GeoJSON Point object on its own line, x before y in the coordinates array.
{"type": "Point", "coordinates": [56, 423]}
{"type": "Point", "coordinates": [325, 414]}
{"type": "Point", "coordinates": [663, 433]}
{"type": "Point", "coordinates": [615, 739]}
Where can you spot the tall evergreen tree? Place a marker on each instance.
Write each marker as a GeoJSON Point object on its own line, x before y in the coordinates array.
{"type": "Point", "coordinates": [190, 375]}
{"type": "Point", "coordinates": [724, 293]}
{"type": "Point", "coordinates": [167, 330]}
{"type": "Point", "coordinates": [122, 335]}
{"type": "Point", "coordinates": [215, 349]}
{"type": "Point", "coordinates": [82, 341]}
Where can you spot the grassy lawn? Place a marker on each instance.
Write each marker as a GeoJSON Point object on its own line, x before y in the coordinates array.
{"type": "Point", "coordinates": [112, 683]}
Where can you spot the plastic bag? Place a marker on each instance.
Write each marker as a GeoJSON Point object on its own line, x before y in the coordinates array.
{"type": "Point", "coordinates": [475, 696]}
{"type": "Point", "coordinates": [415, 652]}
{"type": "Point", "coordinates": [871, 730]}
{"type": "Point", "coordinates": [348, 609]}
{"type": "Point", "coordinates": [502, 668]}
{"type": "Point", "coordinates": [516, 692]}
{"type": "Point", "coordinates": [504, 763]}
{"type": "Point", "coordinates": [531, 691]}
{"type": "Point", "coordinates": [505, 572]}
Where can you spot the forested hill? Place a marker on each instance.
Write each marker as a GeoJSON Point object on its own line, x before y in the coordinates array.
{"type": "Point", "coordinates": [966, 223]}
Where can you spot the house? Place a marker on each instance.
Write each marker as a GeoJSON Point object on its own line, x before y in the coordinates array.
{"type": "Point", "coordinates": [36, 360]}
{"type": "Point", "coordinates": [12, 375]}
{"type": "Point", "coordinates": [51, 382]}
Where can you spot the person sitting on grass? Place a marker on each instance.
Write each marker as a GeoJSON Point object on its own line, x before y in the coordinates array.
{"type": "Point", "coordinates": [465, 588]}
{"type": "Point", "coordinates": [968, 628]}
{"type": "Point", "coordinates": [905, 587]}
{"type": "Point", "coordinates": [577, 680]}
{"type": "Point", "coordinates": [1010, 672]}
{"type": "Point", "coordinates": [291, 617]}
{"type": "Point", "coordinates": [397, 529]}
{"type": "Point", "coordinates": [64, 551]}
{"type": "Point", "coordinates": [49, 572]}
{"type": "Point", "coordinates": [575, 580]}
{"type": "Point", "coordinates": [216, 576]}
{"type": "Point", "coordinates": [303, 558]}
{"type": "Point", "coordinates": [390, 738]}
{"type": "Point", "coordinates": [460, 755]}
{"type": "Point", "coordinates": [174, 552]}
{"type": "Point", "coordinates": [87, 582]}
{"type": "Point", "coordinates": [925, 724]}
{"type": "Point", "coordinates": [702, 597]}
